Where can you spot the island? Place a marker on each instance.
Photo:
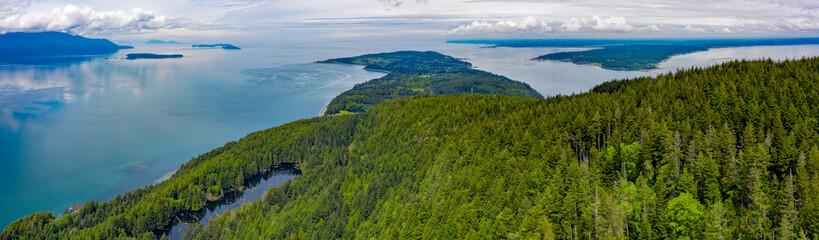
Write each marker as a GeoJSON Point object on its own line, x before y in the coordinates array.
{"type": "Point", "coordinates": [30, 46]}
{"type": "Point", "coordinates": [412, 73]}
{"type": "Point", "coordinates": [725, 152]}
{"type": "Point", "coordinates": [155, 41]}
{"type": "Point", "coordinates": [631, 54]}
{"type": "Point", "coordinates": [222, 45]}
{"type": "Point", "coordinates": [134, 56]}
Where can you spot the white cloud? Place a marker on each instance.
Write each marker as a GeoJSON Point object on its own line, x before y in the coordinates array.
{"type": "Point", "coordinates": [9, 7]}
{"type": "Point", "coordinates": [527, 25]}
{"type": "Point", "coordinates": [534, 25]}
{"type": "Point", "coordinates": [596, 23]}
{"type": "Point", "coordinates": [799, 24]}
{"type": "Point", "coordinates": [692, 28]}
{"type": "Point", "coordinates": [645, 18]}
{"type": "Point", "coordinates": [86, 20]}
{"type": "Point", "coordinates": [652, 28]}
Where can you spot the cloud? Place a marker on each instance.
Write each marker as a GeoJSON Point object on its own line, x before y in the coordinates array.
{"type": "Point", "coordinates": [798, 24]}
{"type": "Point", "coordinates": [692, 28]}
{"type": "Point", "coordinates": [596, 23]}
{"type": "Point", "coordinates": [9, 7]}
{"type": "Point", "coordinates": [398, 3]}
{"type": "Point", "coordinates": [527, 25]}
{"type": "Point", "coordinates": [532, 24]}
{"type": "Point", "coordinates": [85, 20]}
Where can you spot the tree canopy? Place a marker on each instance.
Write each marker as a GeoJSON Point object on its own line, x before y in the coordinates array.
{"type": "Point", "coordinates": [729, 151]}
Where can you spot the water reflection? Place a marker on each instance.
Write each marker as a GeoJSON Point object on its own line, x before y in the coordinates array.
{"type": "Point", "coordinates": [254, 191]}
{"type": "Point", "coordinates": [71, 132]}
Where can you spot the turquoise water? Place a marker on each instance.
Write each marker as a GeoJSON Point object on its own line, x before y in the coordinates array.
{"type": "Point", "coordinates": [88, 130]}
{"type": "Point", "coordinates": [91, 129]}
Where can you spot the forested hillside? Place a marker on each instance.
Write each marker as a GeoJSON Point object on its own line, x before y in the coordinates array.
{"type": "Point", "coordinates": [419, 73]}
{"type": "Point", "coordinates": [631, 54]}
{"type": "Point", "coordinates": [730, 151]}
{"type": "Point", "coordinates": [720, 153]}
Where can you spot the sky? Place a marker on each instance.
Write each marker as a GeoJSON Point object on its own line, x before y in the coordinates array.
{"type": "Point", "coordinates": [138, 20]}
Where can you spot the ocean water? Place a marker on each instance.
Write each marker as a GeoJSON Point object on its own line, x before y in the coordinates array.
{"type": "Point", "coordinates": [87, 130]}
{"type": "Point", "coordinates": [93, 128]}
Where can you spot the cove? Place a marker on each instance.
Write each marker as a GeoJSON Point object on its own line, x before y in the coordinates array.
{"type": "Point", "coordinates": [255, 189]}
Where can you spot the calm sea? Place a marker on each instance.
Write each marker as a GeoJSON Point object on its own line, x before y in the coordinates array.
{"type": "Point", "coordinates": [90, 129]}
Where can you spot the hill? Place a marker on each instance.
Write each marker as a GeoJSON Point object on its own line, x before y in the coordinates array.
{"type": "Point", "coordinates": [718, 153]}
{"type": "Point", "coordinates": [632, 54]}
{"type": "Point", "coordinates": [22, 45]}
{"type": "Point", "coordinates": [731, 151]}
{"type": "Point", "coordinates": [413, 73]}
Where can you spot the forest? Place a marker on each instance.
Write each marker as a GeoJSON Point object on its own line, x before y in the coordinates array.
{"type": "Point", "coordinates": [413, 73]}
{"type": "Point", "coordinates": [725, 152]}
{"type": "Point", "coordinates": [629, 58]}
{"type": "Point", "coordinates": [631, 54]}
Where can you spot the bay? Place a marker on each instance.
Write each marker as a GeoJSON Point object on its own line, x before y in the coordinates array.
{"type": "Point", "coordinates": [90, 129]}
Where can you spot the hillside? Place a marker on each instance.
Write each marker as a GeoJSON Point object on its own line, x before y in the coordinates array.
{"type": "Point", "coordinates": [631, 54]}
{"type": "Point", "coordinates": [718, 153]}
{"type": "Point", "coordinates": [628, 58]}
{"type": "Point", "coordinates": [725, 152]}
{"type": "Point", "coordinates": [18, 46]}
{"type": "Point", "coordinates": [413, 73]}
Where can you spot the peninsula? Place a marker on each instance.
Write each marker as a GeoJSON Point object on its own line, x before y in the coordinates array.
{"type": "Point", "coordinates": [411, 73]}
{"type": "Point", "coordinates": [631, 54]}
{"type": "Point", "coordinates": [663, 157]}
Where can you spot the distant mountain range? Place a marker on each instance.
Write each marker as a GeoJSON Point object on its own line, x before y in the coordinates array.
{"type": "Point", "coordinates": [21, 46]}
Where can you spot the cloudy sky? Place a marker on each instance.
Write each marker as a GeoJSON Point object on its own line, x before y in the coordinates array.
{"type": "Point", "coordinates": [445, 19]}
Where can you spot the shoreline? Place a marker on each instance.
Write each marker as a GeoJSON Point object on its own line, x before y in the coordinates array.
{"type": "Point", "coordinates": [323, 110]}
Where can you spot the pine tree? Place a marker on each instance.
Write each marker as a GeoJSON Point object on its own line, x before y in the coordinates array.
{"type": "Point", "coordinates": [788, 220]}
{"type": "Point", "coordinates": [717, 222]}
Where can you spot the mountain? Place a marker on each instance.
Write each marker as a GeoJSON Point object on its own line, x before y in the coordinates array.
{"type": "Point", "coordinates": [730, 151]}
{"type": "Point", "coordinates": [419, 73]}
{"type": "Point", "coordinates": [22, 45]}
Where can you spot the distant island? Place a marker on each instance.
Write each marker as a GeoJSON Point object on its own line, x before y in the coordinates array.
{"type": "Point", "coordinates": [419, 73]}
{"type": "Point", "coordinates": [630, 54]}
{"type": "Point", "coordinates": [154, 41]}
{"type": "Point", "coordinates": [24, 46]}
{"type": "Point", "coordinates": [674, 156]}
{"type": "Point", "coordinates": [134, 56]}
{"type": "Point", "coordinates": [222, 45]}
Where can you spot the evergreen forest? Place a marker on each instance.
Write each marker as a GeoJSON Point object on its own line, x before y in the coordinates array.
{"type": "Point", "coordinates": [725, 152]}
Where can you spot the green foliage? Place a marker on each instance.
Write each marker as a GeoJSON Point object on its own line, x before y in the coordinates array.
{"type": "Point", "coordinates": [629, 57]}
{"type": "Point", "coordinates": [413, 73]}
{"type": "Point", "coordinates": [215, 190]}
{"type": "Point", "coordinates": [700, 151]}
{"type": "Point", "coordinates": [687, 217]}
